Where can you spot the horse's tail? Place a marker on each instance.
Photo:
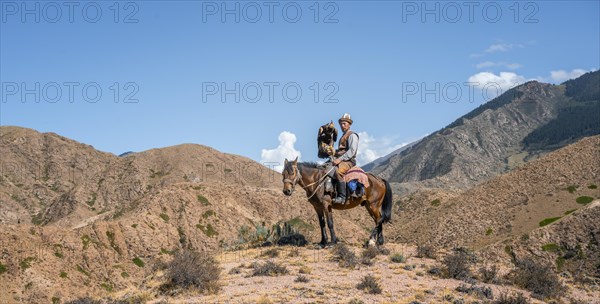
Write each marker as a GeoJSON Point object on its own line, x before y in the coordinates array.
{"type": "Point", "coordinates": [386, 207]}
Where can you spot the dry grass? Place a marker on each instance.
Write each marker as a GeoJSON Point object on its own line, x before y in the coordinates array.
{"type": "Point", "coordinates": [370, 284]}
{"type": "Point", "coordinates": [189, 269]}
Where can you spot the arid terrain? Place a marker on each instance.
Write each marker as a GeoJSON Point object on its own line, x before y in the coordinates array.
{"type": "Point", "coordinates": [79, 224]}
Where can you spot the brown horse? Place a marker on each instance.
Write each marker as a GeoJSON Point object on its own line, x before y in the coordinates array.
{"type": "Point", "coordinates": [310, 176]}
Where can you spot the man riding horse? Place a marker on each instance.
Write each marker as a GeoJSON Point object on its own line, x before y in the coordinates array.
{"type": "Point", "coordinates": [345, 157]}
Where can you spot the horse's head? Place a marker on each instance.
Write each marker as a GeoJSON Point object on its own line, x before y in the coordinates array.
{"type": "Point", "coordinates": [291, 176]}
{"type": "Point", "coordinates": [325, 139]}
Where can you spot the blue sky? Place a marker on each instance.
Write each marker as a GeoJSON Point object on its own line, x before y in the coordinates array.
{"type": "Point", "coordinates": [169, 61]}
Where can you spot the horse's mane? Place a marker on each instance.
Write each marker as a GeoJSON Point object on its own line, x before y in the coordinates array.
{"type": "Point", "coordinates": [310, 165]}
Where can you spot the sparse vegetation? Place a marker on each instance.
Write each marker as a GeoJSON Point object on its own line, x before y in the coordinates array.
{"type": "Point", "coordinates": [592, 186]}
{"type": "Point", "coordinates": [85, 239]}
{"type": "Point", "coordinates": [305, 270]}
{"type": "Point", "coordinates": [584, 200]}
{"type": "Point", "coordinates": [345, 257]}
{"type": "Point", "coordinates": [26, 263]}
{"type": "Point", "coordinates": [398, 258]}
{"type": "Point", "coordinates": [80, 269]}
{"type": "Point", "coordinates": [537, 278]}
{"type": "Point", "coordinates": [436, 202]}
{"type": "Point", "coordinates": [208, 213]}
{"type": "Point", "coordinates": [294, 252]}
{"type": "Point", "coordinates": [425, 251]}
{"type": "Point", "coordinates": [489, 231]}
{"type": "Point", "coordinates": [164, 216]}
{"type": "Point", "coordinates": [457, 264]}
{"type": "Point", "coordinates": [138, 262]}
{"type": "Point", "coordinates": [63, 274]}
{"type": "Point", "coordinates": [203, 200]}
{"type": "Point", "coordinates": [208, 230]}
{"type": "Point", "coordinates": [570, 211]}
{"type": "Point", "coordinates": [370, 284]}
{"type": "Point", "coordinates": [269, 268]}
{"type": "Point", "coordinates": [572, 188]}
{"type": "Point", "coordinates": [551, 247]}
{"type": "Point", "coordinates": [124, 274]}
{"type": "Point", "coordinates": [111, 239]}
{"type": "Point", "coordinates": [505, 298]}
{"type": "Point", "coordinates": [272, 253]}
{"type": "Point", "coordinates": [302, 279]}
{"type": "Point", "coordinates": [489, 275]}
{"type": "Point", "coordinates": [189, 269]}
{"type": "Point", "coordinates": [549, 221]}
{"type": "Point", "coordinates": [479, 291]}
{"type": "Point", "coordinates": [3, 268]}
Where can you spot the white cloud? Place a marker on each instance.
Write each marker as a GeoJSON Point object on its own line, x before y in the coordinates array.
{"type": "Point", "coordinates": [562, 75]}
{"type": "Point", "coordinates": [504, 80]}
{"type": "Point", "coordinates": [371, 148]}
{"type": "Point", "coordinates": [502, 47]}
{"type": "Point", "coordinates": [270, 157]}
{"type": "Point", "coordinates": [491, 64]}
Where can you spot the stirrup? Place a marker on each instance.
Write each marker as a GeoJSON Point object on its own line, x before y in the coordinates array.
{"type": "Point", "coordinates": [336, 201]}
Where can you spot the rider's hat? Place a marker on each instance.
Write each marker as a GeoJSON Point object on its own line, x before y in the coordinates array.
{"type": "Point", "coordinates": [346, 118]}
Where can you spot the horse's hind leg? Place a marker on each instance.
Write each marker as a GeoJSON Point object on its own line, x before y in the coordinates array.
{"type": "Point", "coordinates": [376, 215]}
{"type": "Point", "coordinates": [380, 234]}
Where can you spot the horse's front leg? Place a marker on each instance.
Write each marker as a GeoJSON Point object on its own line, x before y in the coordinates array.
{"type": "Point", "coordinates": [329, 214]}
{"type": "Point", "coordinates": [321, 216]}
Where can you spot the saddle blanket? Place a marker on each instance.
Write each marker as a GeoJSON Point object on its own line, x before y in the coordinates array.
{"type": "Point", "coordinates": [358, 174]}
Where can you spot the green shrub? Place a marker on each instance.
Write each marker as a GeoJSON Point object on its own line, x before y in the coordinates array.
{"type": "Point", "coordinates": [572, 188]}
{"type": "Point", "coordinates": [203, 200]}
{"type": "Point", "coordinates": [435, 202]}
{"type": "Point", "coordinates": [208, 230]}
{"type": "Point", "coordinates": [550, 247]}
{"type": "Point", "coordinates": [398, 258]}
{"type": "Point", "coordinates": [108, 287]}
{"type": "Point", "coordinates": [63, 274]}
{"type": "Point", "coordinates": [584, 200]}
{"type": "Point", "coordinates": [26, 263]}
{"type": "Point", "coordinates": [208, 213]}
{"type": "Point", "coordinates": [592, 186]}
{"type": "Point", "coordinates": [164, 216]}
{"type": "Point", "coordinates": [80, 269]}
{"type": "Point", "coordinates": [370, 284]}
{"type": "Point", "coordinates": [85, 239]}
{"type": "Point", "coordinates": [570, 211]}
{"type": "Point", "coordinates": [3, 268]}
{"type": "Point", "coordinates": [489, 231]}
{"type": "Point", "coordinates": [549, 221]}
{"type": "Point", "coordinates": [137, 261]}
{"type": "Point", "coordinates": [124, 274]}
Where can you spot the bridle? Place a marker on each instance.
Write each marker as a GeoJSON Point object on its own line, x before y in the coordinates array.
{"type": "Point", "coordinates": [298, 176]}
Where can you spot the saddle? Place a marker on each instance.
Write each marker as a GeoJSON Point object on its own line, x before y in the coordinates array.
{"type": "Point", "coordinates": [356, 181]}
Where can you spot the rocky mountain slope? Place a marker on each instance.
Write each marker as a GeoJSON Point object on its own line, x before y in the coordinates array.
{"type": "Point", "coordinates": [521, 124]}
{"type": "Point", "coordinates": [510, 205]}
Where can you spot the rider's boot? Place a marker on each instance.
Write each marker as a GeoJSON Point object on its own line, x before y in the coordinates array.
{"type": "Point", "coordinates": [341, 193]}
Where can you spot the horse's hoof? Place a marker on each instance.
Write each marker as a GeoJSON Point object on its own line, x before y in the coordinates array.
{"type": "Point", "coordinates": [371, 243]}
